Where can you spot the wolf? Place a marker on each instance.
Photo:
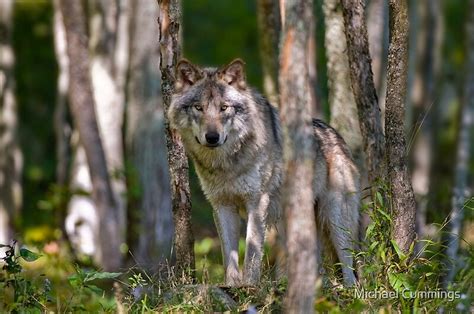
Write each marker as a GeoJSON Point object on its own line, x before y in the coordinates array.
{"type": "Point", "coordinates": [232, 134]}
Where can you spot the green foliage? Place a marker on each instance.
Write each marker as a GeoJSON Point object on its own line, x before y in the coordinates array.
{"type": "Point", "coordinates": [403, 282]}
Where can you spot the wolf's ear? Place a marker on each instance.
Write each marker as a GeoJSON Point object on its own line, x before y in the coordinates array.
{"type": "Point", "coordinates": [234, 74]}
{"type": "Point", "coordinates": [186, 74]}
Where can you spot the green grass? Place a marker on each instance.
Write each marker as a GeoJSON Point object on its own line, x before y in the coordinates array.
{"type": "Point", "coordinates": [49, 281]}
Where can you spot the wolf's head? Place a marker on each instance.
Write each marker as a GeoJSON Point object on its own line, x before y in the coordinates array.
{"type": "Point", "coordinates": [209, 105]}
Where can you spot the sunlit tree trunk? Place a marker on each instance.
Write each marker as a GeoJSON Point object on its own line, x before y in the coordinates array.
{"type": "Point", "coordinates": [61, 126]}
{"type": "Point", "coordinates": [151, 224]}
{"type": "Point", "coordinates": [402, 199]}
{"type": "Point", "coordinates": [460, 191]}
{"type": "Point", "coordinates": [108, 29]}
{"type": "Point", "coordinates": [11, 159]}
{"type": "Point", "coordinates": [169, 21]}
{"type": "Point", "coordinates": [364, 88]}
{"type": "Point", "coordinates": [107, 232]}
{"type": "Point", "coordinates": [341, 98]}
{"type": "Point", "coordinates": [299, 149]}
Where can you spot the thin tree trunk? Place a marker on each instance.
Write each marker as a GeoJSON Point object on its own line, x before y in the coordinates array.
{"type": "Point", "coordinates": [169, 20]}
{"type": "Point", "coordinates": [425, 105]}
{"type": "Point", "coordinates": [268, 14]}
{"type": "Point", "coordinates": [363, 87]}
{"type": "Point", "coordinates": [146, 145]}
{"type": "Point", "coordinates": [341, 99]}
{"type": "Point", "coordinates": [402, 198]}
{"type": "Point", "coordinates": [61, 125]}
{"type": "Point", "coordinates": [377, 31]}
{"type": "Point", "coordinates": [11, 159]}
{"type": "Point", "coordinates": [460, 190]}
{"type": "Point", "coordinates": [81, 100]}
{"type": "Point", "coordinates": [297, 191]}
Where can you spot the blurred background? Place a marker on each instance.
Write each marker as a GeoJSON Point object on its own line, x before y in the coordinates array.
{"type": "Point", "coordinates": [49, 205]}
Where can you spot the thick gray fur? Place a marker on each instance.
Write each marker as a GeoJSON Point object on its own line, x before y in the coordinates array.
{"type": "Point", "coordinates": [241, 173]}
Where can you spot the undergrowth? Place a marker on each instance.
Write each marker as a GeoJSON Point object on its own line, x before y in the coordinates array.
{"type": "Point", "coordinates": [388, 281]}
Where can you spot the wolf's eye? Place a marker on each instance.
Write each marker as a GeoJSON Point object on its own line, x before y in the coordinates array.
{"type": "Point", "coordinates": [224, 107]}
{"type": "Point", "coordinates": [198, 108]}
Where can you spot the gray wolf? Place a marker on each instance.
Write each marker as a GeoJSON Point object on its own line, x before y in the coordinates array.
{"type": "Point", "coordinates": [232, 134]}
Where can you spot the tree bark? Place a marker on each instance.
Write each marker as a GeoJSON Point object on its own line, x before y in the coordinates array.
{"type": "Point", "coordinates": [299, 150]}
{"type": "Point", "coordinates": [460, 192]}
{"type": "Point", "coordinates": [169, 20]}
{"type": "Point", "coordinates": [11, 159]}
{"type": "Point", "coordinates": [146, 145]}
{"type": "Point", "coordinates": [341, 99]}
{"type": "Point", "coordinates": [81, 100]}
{"type": "Point", "coordinates": [363, 87]}
{"type": "Point", "coordinates": [269, 26]}
{"type": "Point", "coordinates": [61, 125]}
{"type": "Point", "coordinates": [108, 64]}
{"type": "Point", "coordinates": [402, 198]}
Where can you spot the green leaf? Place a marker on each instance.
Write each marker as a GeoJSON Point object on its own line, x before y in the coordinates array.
{"type": "Point", "coordinates": [94, 289]}
{"type": "Point", "coordinates": [379, 198]}
{"type": "Point", "coordinates": [101, 275]}
{"type": "Point", "coordinates": [383, 213]}
{"type": "Point", "coordinates": [29, 256]}
{"type": "Point", "coordinates": [400, 254]}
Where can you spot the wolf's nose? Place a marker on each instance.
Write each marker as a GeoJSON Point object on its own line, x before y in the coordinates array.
{"type": "Point", "coordinates": [212, 138]}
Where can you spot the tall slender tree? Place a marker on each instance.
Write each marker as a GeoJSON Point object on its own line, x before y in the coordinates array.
{"type": "Point", "coordinates": [460, 190]}
{"type": "Point", "coordinates": [342, 104]}
{"type": "Point", "coordinates": [269, 26]}
{"type": "Point", "coordinates": [11, 159]}
{"type": "Point", "coordinates": [401, 192]}
{"type": "Point", "coordinates": [151, 234]}
{"type": "Point", "coordinates": [364, 88]}
{"type": "Point", "coordinates": [299, 148]}
{"type": "Point", "coordinates": [169, 21]}
{"type": "Point", "coordinates": [81, 100]}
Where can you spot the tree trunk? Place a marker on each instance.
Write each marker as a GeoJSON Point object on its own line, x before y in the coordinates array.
{"type": "Point", "coordinates": [61, 125]}
{"type": "Point", "coordinates": [268, 14]}
{"type": "Point", "coordinates": [11, 159]}
{"type": "Point", "coordinates": [81, 100]}
{"type": "Point", "coordinates": [341, 99]}
{"type": "Point", "coordinates": [402, 198]}
{"type": "Point", "coordinates": [109, 62]}
{"type": "Point", "coordinates": [299, 149]}
{"type": "Point", "coordinates": [363, 87]}
{"type": "Point", "coordinates": [460, 192]}
{"type": "Point", "coordinates": [152, 231]}
{"type": "Point", "coordinates": [169, 20]}
{"type": "Point", "coordinates": [423, 97]}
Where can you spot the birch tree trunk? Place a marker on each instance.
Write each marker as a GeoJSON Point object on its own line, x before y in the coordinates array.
{"type": "Point", "coordinates": [81, 99]}
{"type": "Point", "coordinates": [11, 159]}
{"type": "Point", "coordinates": [299, 150]}
{"type": "Point", "coordinates": [108, 28]}
{"type": "Point", "coordinates": [169, 20]}
{"type": "Point", "coordinates": [364, 89]}
{"type": "Point", "coordinates": [145, 140]}
{"type": "Point", "coordinates": [269, 26]}
{"type": "Point", "coordinates": [402, 198]}
{"type": "Point", "coordinates": [341, 98]}
{"type": "Point", "coordinates": [460, 192]}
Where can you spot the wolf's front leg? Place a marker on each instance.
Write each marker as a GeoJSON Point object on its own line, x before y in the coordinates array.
{"type": "Point", "coordinates": [256, 226]}
{"type": "Point", "coordinates": [228, 226]}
